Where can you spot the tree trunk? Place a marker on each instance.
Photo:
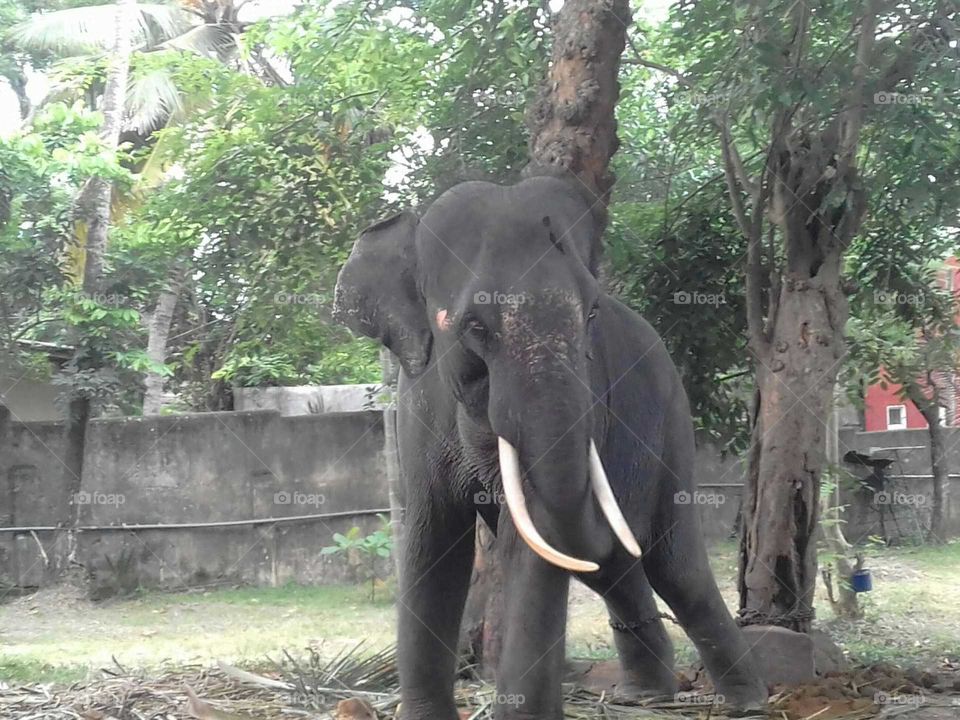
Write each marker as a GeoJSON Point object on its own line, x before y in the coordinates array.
{"type": "Point", "coordinates": [481, 633]}
{"type": "Point", "coordinates": [939, 463]}
{"type": "Point", "coordinates": [573, 128]}
{"type": "Point", "coordinates": [18, 83]}
{"type": "Point", "coordinates": [796, 337]}
{"type": "Point", "coordinates": [796, 376]}
{"type": "Point", "coordinates": [92, 215]}
{"type": "Point", "coordinates": [159, 332]}
{"type": "Point", "coordinates": [572, 122]}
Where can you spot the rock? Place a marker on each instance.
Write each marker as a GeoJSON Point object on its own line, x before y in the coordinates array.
{"type": "Point", "coordinates": [783, 657]}
{"type": "Point", "coordinates": [827, 655]}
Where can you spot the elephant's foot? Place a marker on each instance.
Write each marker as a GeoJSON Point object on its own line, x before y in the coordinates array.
{"type": "Point", "coordinates": [646, 683]}
{"type": "Point", "coordinates": [427, 709]}
{"type": "Point", "coordinates": [743, 695]}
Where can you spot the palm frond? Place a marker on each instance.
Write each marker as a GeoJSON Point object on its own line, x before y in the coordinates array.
{"type": "Point", "coordinates": [210, 40]}
{"type": "Point", "coordinates": [152, 98]}
{"type": "Point", "coordinates": [82, 30]}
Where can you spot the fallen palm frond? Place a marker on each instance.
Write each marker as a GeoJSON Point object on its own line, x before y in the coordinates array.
{"type": "Point", "coordinates": [311, 687]}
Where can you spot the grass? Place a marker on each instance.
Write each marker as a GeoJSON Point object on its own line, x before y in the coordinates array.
{"type": "Point", "coordinates": [911, 618]}
{"type": "Point", "coordinates": [240, 626]}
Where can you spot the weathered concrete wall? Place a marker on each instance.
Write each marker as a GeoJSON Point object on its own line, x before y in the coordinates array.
{"type": "Point", "coordinates": [900, 511]}
{"type": "Point", "coordinates": [310, 399]}
{"type": "Point", "coordinates": [29, 400]}
{"type": "Point", "coordinates": [253, 469]}
{"type": "Point", "coordinates": [194, 468]}
{"type": "Point", "coordinates": [720, 482]}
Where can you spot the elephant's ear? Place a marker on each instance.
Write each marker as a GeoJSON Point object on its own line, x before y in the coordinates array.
{"type": "Point", "coordinates": [377, 293]}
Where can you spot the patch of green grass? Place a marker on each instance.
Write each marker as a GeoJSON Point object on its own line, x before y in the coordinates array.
{"type": "Point", "coordinates": [236, 625]}
{"type": "Point", "coordinates": [911, 619]}
{"type": "Point", "coordinates": [19, 670]}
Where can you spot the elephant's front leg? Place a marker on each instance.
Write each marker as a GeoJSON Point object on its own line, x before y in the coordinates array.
{"type": "Point", "coordinates": [535, 621]}
{"type": "Point", "coordinates": [437, 560]}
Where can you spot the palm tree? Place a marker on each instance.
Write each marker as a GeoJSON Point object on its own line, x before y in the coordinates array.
{"type": "Point", "coordinates": [92, 223]}
{"type": "Point", "coordinates": [210, 28]}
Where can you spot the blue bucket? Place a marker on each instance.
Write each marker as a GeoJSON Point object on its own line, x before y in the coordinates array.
{"type": "Point", "coordinates": [861, 581]}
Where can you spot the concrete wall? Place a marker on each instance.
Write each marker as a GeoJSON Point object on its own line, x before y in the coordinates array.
{"type": "Point", "coordinates": [29, 400]}
{"type": "Point", "coordinates": [310, 399]}
{"type": "Point", "coordinates": [195, 468]}
{"type": "Point", "coordinates": [900, 511]}
{"type": "Point", "coordinates": [263, 466]}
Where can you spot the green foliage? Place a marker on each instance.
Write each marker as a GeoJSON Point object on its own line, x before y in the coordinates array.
{"type": "Point", "coordinates": [363, 551]}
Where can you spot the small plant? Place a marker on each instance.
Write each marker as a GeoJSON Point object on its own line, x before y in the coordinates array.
{"type": "Point", "coordinates": [363, 551]}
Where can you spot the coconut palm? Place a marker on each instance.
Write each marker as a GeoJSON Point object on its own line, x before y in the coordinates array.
{"type": "Point", "coordinates": [211, 28]}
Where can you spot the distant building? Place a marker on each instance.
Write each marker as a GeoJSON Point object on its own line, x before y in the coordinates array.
{"type": "Point", "coordinates": [885, 409]}
{"type": "Point", "coordinates": [27, 398]}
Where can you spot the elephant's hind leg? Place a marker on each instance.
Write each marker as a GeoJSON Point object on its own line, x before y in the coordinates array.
{"type": "Point", "coordinates": [644, 648]}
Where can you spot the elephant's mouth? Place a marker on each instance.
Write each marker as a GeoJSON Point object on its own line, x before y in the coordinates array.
{"type": "Point", "coordinates": [516, 502]}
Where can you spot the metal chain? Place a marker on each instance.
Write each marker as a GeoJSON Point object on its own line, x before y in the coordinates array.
{"type": "Point", "coordinates": [637, 624]}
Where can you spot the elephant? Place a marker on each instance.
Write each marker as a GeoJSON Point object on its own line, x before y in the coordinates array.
{"type": "Point", "coordinates": [533, 401]}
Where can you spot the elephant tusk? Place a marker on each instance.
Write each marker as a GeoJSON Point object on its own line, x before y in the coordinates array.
{"type": "Point", "coordinates": [608, 503]}
{"type": "Point", "coordinates": [513, 491]}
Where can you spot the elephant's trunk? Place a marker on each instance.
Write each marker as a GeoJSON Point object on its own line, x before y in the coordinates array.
{"type": "Point", "coordinates": [549, 444]}
{"type": "Point", "coordinates": [516, 502]}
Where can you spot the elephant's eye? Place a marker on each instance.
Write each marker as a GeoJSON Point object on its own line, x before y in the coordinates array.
{"type": "Point", "coordinates": [473, 327]}
{"type": "Point", "coordinates": [593, 312]}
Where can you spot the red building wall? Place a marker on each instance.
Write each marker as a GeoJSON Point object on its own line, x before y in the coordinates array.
{"type": "Point", "coordinates": [876, 401]}
{"type": "Point", "coordinates": [877, 398]}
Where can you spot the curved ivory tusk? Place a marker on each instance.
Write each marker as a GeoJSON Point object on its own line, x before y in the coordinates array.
{"type": "Point", "coordinates": [608, 503]}
{"type": "Point", "coordinates": [513, 491]}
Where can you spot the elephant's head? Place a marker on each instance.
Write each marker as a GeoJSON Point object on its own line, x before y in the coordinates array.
{"type": "Point", "coordinates": [496, 286]}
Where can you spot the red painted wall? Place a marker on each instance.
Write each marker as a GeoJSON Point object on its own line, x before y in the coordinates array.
{"type": "Point", "coordinates": [877, 399]}
{"type": "Point", "coordinates": [875, 408]}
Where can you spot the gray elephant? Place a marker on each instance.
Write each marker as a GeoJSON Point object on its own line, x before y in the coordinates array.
{"type": "Point", "coordinates": [524, 382]}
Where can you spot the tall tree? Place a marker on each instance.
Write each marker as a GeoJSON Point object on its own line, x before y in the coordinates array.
{"type": "Point", "coordinates": [92, 225]}
{"type": "Point", "coordinates": [799, 203]}
{"type": "Point", "coordinates": [808, 106]}
{"type": "Point", "coordinates": [572, 128]}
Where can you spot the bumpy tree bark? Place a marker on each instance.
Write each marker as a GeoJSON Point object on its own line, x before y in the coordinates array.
{"type": "Point", "coordinates": [796, 338]}
{"type": "Point", "coordinates": [927, 400]}
{"type": "Point", "coordinates": [572, 128]}
{"type": "Point", "coordinates": [572, 122]}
